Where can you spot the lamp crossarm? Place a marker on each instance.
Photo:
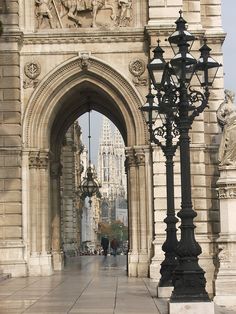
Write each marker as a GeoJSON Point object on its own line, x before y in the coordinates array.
{"type": "Point", "coordinates": [196, 96]}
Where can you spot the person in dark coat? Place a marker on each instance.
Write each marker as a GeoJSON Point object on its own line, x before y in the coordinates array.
{"type": "Point", "coordinates": [114, 246]}
{"type": "Point", "coordinates": [105, 245]}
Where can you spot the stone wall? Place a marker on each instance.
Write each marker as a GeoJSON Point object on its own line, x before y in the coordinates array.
{"type": "Point", "coordinates": [11, 229]}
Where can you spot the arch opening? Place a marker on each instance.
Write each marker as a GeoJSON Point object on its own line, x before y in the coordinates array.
{"type": "Point", "coordinates": [63, 96]}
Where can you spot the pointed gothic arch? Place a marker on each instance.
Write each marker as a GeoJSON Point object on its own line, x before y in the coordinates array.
{"type": "Point", "coordinates": [64, 94]}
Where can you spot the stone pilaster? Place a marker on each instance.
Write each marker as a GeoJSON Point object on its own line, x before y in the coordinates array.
{"type": "Point", "coordinates": [133, 213]}
{"type": "Point", "coordinates": [142, 186]}
{"type": "Point", "coordinates": [139, 211]}
{"type": "Point", "coordinates": [40, 260]}
{"type": "Point", "coordinates": [225, 282]}
{"type": "Point", "coordinates": [57, 253]}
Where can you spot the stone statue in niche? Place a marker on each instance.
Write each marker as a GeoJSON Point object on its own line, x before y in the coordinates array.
{"type": "Point", "coordinates": [43, 12]}
{"type": "Point", "coordinates": [125, 12]}
{"type": "Point", "coordinates": [226, 116]}
{"type": "Point", "coordinates": [74, 7]}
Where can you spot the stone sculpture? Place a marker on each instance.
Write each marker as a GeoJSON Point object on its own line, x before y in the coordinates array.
{"type": "Point", "coordinates": [83, 13]}
{"type": "Point", "coordinates": [125, 12]}
{"type": "Point", "coordinates": [43, 11]}
{"type": "Point", "coordinates": [75, 6]}
{"type": "Point", "coordinates": [226, 116]}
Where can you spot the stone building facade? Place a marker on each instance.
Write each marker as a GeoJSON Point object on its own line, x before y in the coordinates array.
{"type": "Point", "coordinates": [58, 60]}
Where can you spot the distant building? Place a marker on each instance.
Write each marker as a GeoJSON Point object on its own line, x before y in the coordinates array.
{"type": "Point", "coordinates": [111, 174]}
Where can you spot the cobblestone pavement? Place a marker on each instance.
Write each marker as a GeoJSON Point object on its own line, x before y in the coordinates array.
{"type": "Point", "coordinates": [87, 285]}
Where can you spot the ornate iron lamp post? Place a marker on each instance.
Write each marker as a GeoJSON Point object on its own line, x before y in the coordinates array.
{"type": "Point", "coordinates": [90, 185]}
{"type": "Point", "coordinates": [181, 104]}
{"type": "Point", "coordinates": [167, 131]}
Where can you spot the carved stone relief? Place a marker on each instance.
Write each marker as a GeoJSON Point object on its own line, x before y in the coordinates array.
{"type": "Point", "coordinates": [137, 68]}
{"type": "Point", "coordinates": [83, 13]}
{"type": "Point", "coordinates": [84, 59]}
{"type": "Point", "coordinates": [32, 71]}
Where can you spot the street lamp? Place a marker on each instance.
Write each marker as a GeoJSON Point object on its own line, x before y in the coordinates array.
{"type": "Point", "coordinates": [90, 185]}
{"type": "Point", "coordinates": [181, 104]}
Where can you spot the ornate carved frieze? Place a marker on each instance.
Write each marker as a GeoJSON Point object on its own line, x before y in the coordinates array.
{"type": "Point", "coordinates": [32, 71]}
{"type": "Point", "coordinates": [228, 191]}
{"type": "Point", "coordinates": [135, 158]}
{"type": "Point", "coordinates": [137, 68]}
{"type": "Point", "coordinates": [43, 160]}
{"type": "Point", "coordinates": [33, 160]}
{"type": "Point", "coordinates": [38, 160]}
{"type": "Point", "coordinates": [223, 253]}
{"type": "Point", "coordinates": [130, 159]}
{"type": "Point", "coordinates": [140, 158]}
{"type": "Point", "coordinates": [83, 13]}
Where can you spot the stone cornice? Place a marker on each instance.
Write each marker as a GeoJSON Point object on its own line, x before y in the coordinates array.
{"type": "Point", "coordinates": [167, 30]}
{"type": "Point", "coordinates": [84, 36]}
{"type": "Point", "coordinates": [11, 36]}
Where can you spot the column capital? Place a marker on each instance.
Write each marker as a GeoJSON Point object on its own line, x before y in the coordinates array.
{"type": "Point", "coordinates": [130, 158]}
{"type": "Point", "coordinates": [33, 159]}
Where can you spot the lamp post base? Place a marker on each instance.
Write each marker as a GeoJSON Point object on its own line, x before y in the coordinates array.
{"type": "Point", "coordinates": [191, 307]}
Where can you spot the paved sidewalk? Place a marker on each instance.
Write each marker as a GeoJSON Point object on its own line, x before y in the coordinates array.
{"type": "Point", "coordinates": [88, 285]}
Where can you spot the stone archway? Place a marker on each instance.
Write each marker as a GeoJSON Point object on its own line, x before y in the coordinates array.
{"type": "Point", "coordinates": [61, 97]}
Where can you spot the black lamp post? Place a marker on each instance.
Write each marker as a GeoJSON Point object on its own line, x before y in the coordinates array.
{"type": "Point", "coordinates": [182, 104]}
{"type": "Point", "coordinates": [168, 132]}
{"type": "Point", "coordinates": [90, 185]}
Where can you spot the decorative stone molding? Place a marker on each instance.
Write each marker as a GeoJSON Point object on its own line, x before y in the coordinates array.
{"type": "Point", "coordinates": [32, 71]}
{"type": "Point", "coordinates": [223, 253]}
{"type": "Point", "coordinates": [87, 37]}
{"type": "Point", "coordinates": [43, 160]}
{"type": "Point", "coordinates": [130, 158]}
{"type": "Point", "coordinates": [135, 158]}
{"type": "Point", "coordinates": [61, 74]}
{"type": "Point", "coordinates": [137, 68]}
{"type": "Point", "coordinates": [38, 160]}
{"type": "Point", "coordinates": [140, 158]}
{"type": "Point", "coordinates": [228, 191]}
{"type": "Point", "coordinates": [33, 160]}
{"type": "Point", "coordinates": [84, 59]}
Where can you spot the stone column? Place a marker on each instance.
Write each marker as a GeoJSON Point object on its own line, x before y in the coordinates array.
{"type": "Point", "coordinates": [57, 253]}
{"type": "Point", "coordinates": [133, 213]}
{"type": "Point", "coordinates": [39, 216]}
{"type": "Point", "coordinates": [225, 283]}
{"type": "Point", "coordinates": [45, 214]}
{"type": "Point", "coordinates": [143, 252]}
{"type": "Point", "coordinates": [33, 227]}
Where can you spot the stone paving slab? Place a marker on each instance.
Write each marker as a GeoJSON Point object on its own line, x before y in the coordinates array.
{"type": "Point", "coordinates": [87, 285]}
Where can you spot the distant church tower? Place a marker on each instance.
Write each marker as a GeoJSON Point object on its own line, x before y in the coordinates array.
{"type": "Point", "coordinates": [111, 172]}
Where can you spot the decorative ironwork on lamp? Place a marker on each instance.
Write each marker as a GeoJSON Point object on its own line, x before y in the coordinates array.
{"type": "Point", "coordinates": [90, 185]}
{"type": "Point", "coordinates": [180, 104]}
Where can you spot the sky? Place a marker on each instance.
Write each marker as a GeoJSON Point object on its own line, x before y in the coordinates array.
{"type": "Point", "coordinates": [229, 50]}
{"type": "Point", "coordinates": [229, 46]}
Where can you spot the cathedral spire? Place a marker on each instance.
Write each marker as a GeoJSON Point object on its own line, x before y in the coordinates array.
{"type": "Point", "coordinates": [106, 135]}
